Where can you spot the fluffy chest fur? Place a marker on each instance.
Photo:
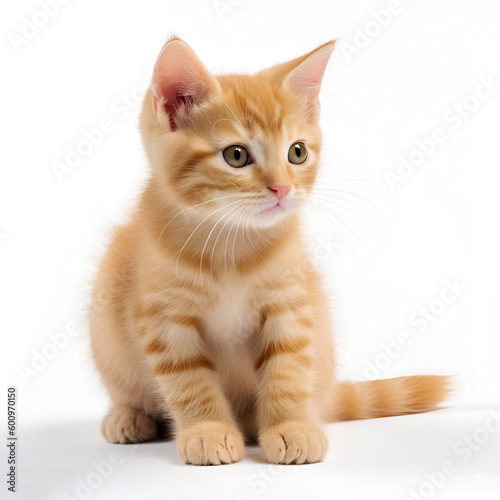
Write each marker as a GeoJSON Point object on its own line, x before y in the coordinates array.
{"type": "Point", "coordinates": [232, 317]}
{"type": "Point", "coordinates": [230, 325]}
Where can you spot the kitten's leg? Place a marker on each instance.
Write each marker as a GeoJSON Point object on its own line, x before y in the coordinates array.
{"type": "Point", "coordinates": [205, 430]}
{"type": "Point", "coordinates": [124, 424]}
{"type": "Point", "coordinates": [288, 432]}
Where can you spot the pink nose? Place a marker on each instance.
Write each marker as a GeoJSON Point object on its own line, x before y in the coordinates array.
{"type": "Point", "coordinates": [280, 190]}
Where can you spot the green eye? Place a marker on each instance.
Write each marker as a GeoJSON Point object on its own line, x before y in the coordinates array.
{"type": "Point", "coordinates": [236, 156]}
{"type": "Point", "coordinates": [297, 153]}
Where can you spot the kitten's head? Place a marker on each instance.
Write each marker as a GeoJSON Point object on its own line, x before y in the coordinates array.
{"type": "Point", "coordinates": [242, 147]}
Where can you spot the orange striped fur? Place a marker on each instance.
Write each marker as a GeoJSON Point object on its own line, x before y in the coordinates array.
{"type": "Point", "coordinates": [213, 319]}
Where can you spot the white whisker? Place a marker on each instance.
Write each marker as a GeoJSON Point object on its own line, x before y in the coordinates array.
{"type": "Point", "coordinates": [210, 234]}
{"type": "Point", "coordinates": [347, 224]}
{"type": "Point", "coordinates": [196, 228]}
{"type": "Point", "coordinates": [328, 221]}
{"type": "Point", "coordinates": [335, 203]}
{"type": "Point", "coordinates": [218, 236]}
{"type": "Point", "coordinates": [190, 208]}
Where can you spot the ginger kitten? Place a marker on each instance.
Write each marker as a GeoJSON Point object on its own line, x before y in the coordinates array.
{"type": "Point", "coordinates": [206, 312]}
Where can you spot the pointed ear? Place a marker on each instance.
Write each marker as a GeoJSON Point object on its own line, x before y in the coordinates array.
{"type": "Point", "coordinates": [180, 81]}
{"type": "Point", "coordinates": [304, 74]}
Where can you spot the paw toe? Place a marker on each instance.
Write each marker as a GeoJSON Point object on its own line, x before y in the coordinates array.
{"type": "Point", "coordinates": [210, 443]}
{"type": "Point", "coordinates": [294, 443]}
{"type": "Point", "coordinates": [126, 425]}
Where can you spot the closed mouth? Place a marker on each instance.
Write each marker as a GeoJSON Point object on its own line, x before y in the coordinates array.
{"type": "Point", "coordinates": [273, 208]}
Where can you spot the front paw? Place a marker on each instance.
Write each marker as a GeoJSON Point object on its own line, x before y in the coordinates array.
{"type": "Point", "coordinates": [294, 443]}
{"type": "Point", "coordinates": [210, 443]}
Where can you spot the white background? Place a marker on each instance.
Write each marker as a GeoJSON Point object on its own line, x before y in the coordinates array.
{"type": "Point", "coordinates": [381, 95]}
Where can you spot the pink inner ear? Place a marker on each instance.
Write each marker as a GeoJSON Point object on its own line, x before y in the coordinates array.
{"type": "Point", "coordinates": [306, 78]}
{"type": "Point", "coordinates": [180, 80]}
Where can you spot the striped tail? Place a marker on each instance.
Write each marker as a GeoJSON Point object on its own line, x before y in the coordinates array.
{"type": "Point", "coordinates": [389, 397]}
